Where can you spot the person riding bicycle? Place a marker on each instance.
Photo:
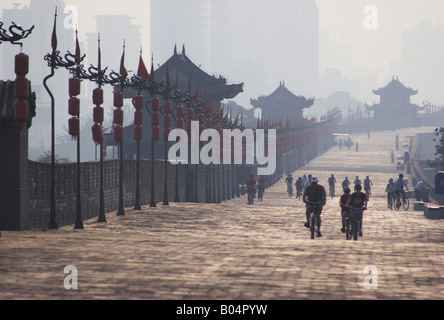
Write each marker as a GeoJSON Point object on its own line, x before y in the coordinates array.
{"type": "Point", "coordinates": [367, 186]}
{"type": "Point", "coordinates": [299, 187]}
{"type": "Point", "coordinates": [331, 184]}
{"type": "Point", "coordinates": [314, 193]}
{"type": "Point", "coordinates": [358, 200]}
{"type": "Point", "coordinates": [289, 181]}
{"type": "Point", "coordinates": [345, 183]}
{"type": "Point", "coordinates": [357, 181]}
{"type": "Point", "coordinates": [343, 204]}
{"type": "Point", "coordinates": [399, 186]}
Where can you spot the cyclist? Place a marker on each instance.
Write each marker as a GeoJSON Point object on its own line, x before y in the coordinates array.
{"type": "Point", "coordinates": [399, 186]}
{"type": "Point", "coordinates": [358, 200]}
{"type": "Point", "coordinates": [345, 183]}
{"type": "Point", "coordinates": [343, 204]}
{"type": "Point", "coordinates": [299, 187]}
{"type": "Point", "coordinates": [261, 187]}
{"type": "Point", "coordinates": [289, 181]}
{"type": "Point", "coordinates": [357, 181]}
{"type": "Point", "coordinates": [314, 193]}
{"type": "Point", "coordinates": [389, 189]}
{"type": "Point", "coordinates": [367, 186]}
{"type": "Point", "coordinates": [307, 182]}
{"type": "Point", "coordinates": [331, 184]}
{"type": "Point", "coordinates": [251, 187]}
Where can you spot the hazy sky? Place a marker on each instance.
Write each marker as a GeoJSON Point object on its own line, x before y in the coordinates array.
{"type": "Point", "coordinates": [343, 19]}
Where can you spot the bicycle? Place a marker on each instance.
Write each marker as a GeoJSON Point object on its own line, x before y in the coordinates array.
{"type": "Point", "coordinates": [353, 222]}
{"type": "Point", "coordinates": [290, 190]}
{"type": "Point", "coordinates": [368, 193]}
{"type": "Point", "coordinates": [398, 202]}
{"type": "Point", "coordinates": [332, 191]}
{"type": "Point", "coordinates": [251, 193]}
{"type": "Point", "coordinates": [313, 218]}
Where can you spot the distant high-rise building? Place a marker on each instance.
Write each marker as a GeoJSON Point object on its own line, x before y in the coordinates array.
{"type": "Point", "coordinates": [259, 42]}
{"type": "Point", "coordinates": [178, 22]}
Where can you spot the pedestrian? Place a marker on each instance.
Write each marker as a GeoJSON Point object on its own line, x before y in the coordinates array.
{"type": "Point", "coordinates": [357, 147]}
{"type": "Point", "coordinates": [392, 156]}
{"type": "Point", "coordinates": [343, 204]}
{"type": "Point", "coordinates": [421, 192]}
{"type": "Point", "coordinates": [390, 188]}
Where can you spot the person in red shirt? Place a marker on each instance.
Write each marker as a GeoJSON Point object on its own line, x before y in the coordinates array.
{"type": "Point", "coordinates": [343, 204]}
{"type": "Point", "coordinates": [251, 182]}
{"type": "Point", "coordinates": [261, 187]}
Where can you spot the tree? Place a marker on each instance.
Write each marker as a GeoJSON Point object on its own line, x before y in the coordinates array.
{"type": "Point", "coordinates": [46, 158]}
{"type": "Point", "coordinates": [438, 163]}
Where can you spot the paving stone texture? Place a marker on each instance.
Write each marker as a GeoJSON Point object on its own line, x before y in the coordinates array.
{"type": "Point", "coordinates": [234, 251]}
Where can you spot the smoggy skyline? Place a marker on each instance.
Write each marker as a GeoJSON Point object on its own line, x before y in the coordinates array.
{"type": "Point", "coordinates": [377, 49]}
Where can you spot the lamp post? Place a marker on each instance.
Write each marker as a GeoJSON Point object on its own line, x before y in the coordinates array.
{"type": "Point", "coordinates": [54, 61]}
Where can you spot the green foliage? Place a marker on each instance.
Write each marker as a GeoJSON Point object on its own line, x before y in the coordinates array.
{"type": "Point", "coordinates": [46, 158]}
{"type": "Point", "coordinates": [438, 163]}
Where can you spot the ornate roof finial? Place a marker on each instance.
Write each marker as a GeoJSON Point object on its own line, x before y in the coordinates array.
{"type": "Point", "coordinates": [175, 49]}
{"type": "Point", "coordinates": [183, 49]}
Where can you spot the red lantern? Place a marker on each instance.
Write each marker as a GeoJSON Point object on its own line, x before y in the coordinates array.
{"type": "Point", "coordinates": [138, 117]}
{"type": "Point", "coordinates": [180, 111]}
{"type": "Point", "coordinates": [98, 114]}
{"type": "Point", "coordinates": [189, 126]}
{"type": "Point", "coordinates": [155, 131]}
{"type": "Point", "coordinates": [201, 118]}
{"type": "Point", "coordinates": [167, 107]}
{"type": "Point", "coordinates": [74, 126]}
{"type": "Point", "coordinates": [138, 102]}
{"type": "Point", "coordinates": [118, 133]}
{"type": "Point", "coordinates": [74, 107]}
{"type": "Point", "coordinates": [209, 123]}
{"type": "Point", "coordinates": [98, 96]}
{"type": "Point", "coordinates": [138, 133]}
{"type": "Point", "coordinates": [155, 119]}
{"type": "Point", "coordinates": [74, 87]}
{"type": "Point", "coordinates": [21, 88]}
{"type": "Point", "coordinates": [167, 121]}
{"type": "Point", "coordinates": [21, 111]}
{"type": "Point", "coordinates": [21, 64]}
{"type": "Point", "coordinates": [118, 116]}
{"type": "Point", "coordinates": [155, 104]}
{"type": "Point", "coordinates": [97, 132]}
{"type": "Point", "coordinates": [118, 99]}
{"type": "Point", "coordinates": [180, 123]}
{"type": "Point", "coordinates": [190, 113]}
{"type": "Point", "coordinates": [166, 133]}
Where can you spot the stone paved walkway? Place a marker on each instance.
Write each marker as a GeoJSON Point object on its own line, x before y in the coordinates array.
{"type": "Point", "coordinates": [235, 251]}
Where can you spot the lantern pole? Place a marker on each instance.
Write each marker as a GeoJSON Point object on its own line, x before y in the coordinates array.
{"type": "Point", "coordinates": [54, 61]}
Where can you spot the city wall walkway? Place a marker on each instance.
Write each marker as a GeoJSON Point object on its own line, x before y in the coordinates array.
{"type": "Point", "coordinates": [235, 251]}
